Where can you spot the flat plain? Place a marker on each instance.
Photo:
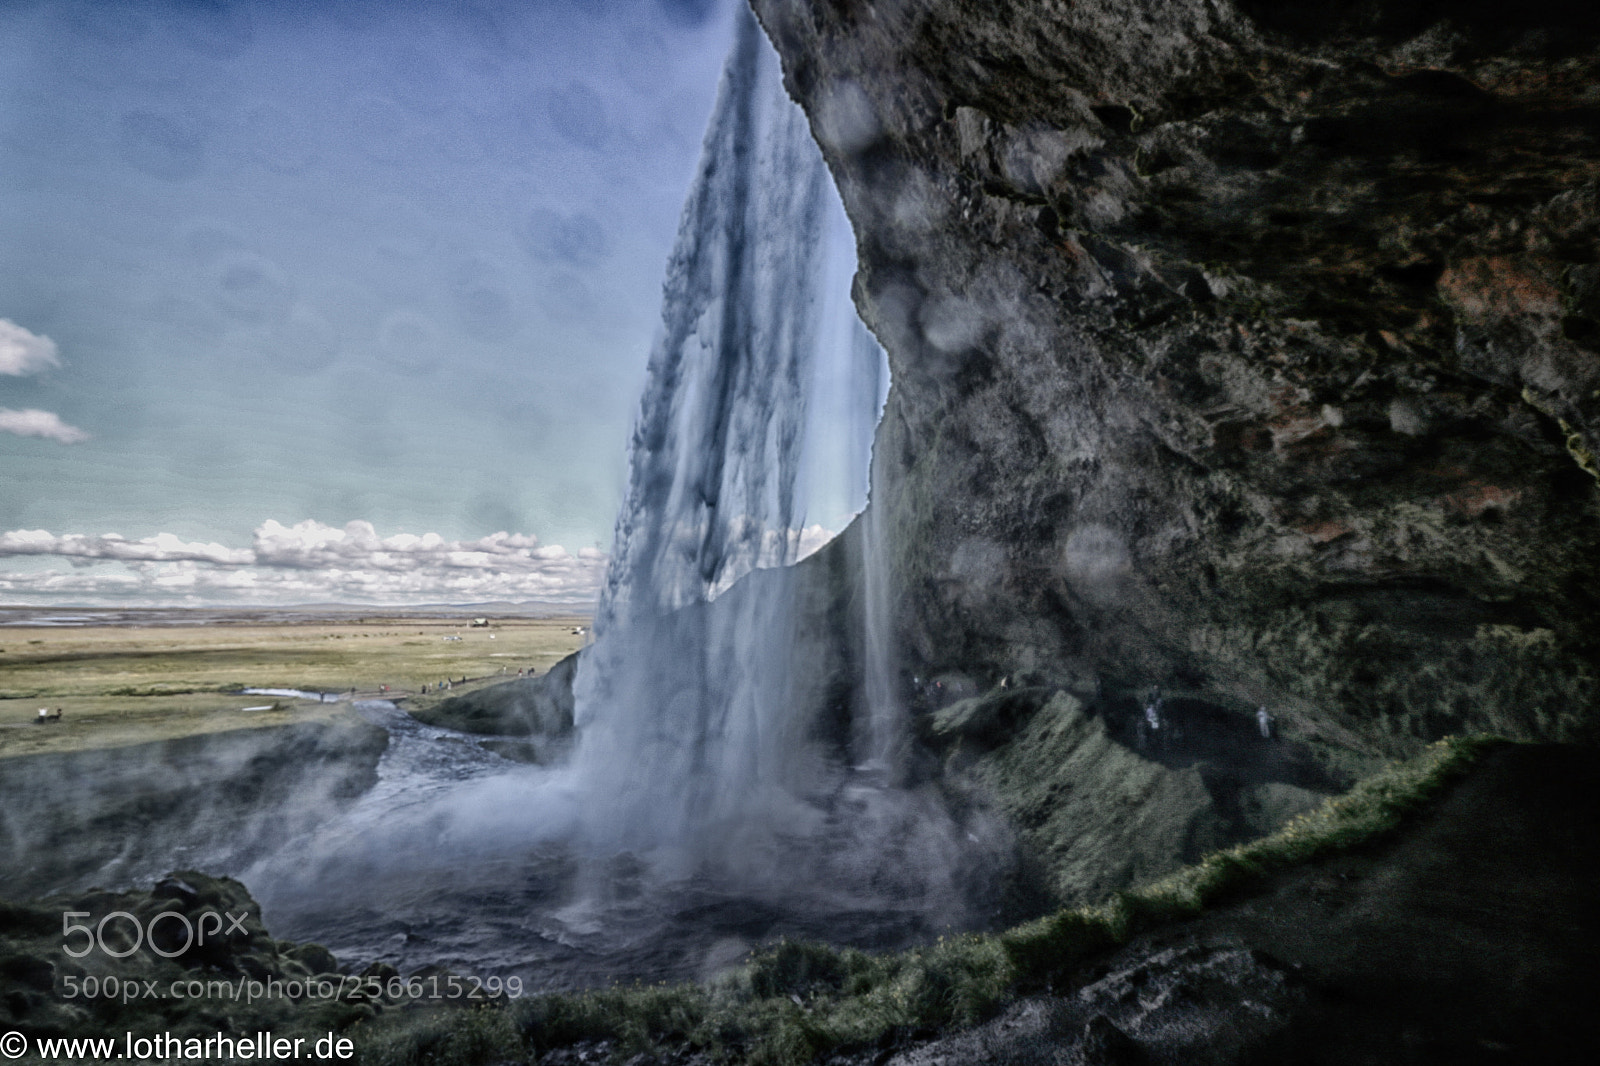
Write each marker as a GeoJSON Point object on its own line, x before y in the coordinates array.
{"type": "Point", "coordinates": [128, 677]}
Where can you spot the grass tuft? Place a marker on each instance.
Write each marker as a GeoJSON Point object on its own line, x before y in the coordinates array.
{"type": "Point", "coordinates": [637, 1017]}
{"type": "Point", "coordinates": [448, 1038]}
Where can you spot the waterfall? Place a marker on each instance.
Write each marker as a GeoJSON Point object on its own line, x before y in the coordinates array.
{"type": "Point", "coordinates": [885, 740]}
{"type": "Point", "coordinates": [715, 451]}
{"type": "Point", "coordinates": [742, 764]}
{"type": "Point", "coordinates": [709, 746]}
{"type": "Point", "coordinates": [685, 733]}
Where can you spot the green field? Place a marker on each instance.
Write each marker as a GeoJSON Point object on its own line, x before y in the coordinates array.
{"type": "Point", "coordinates": [125, 684]}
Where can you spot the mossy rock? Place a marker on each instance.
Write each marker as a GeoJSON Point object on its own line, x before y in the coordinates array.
{"type": "Point", "coordinates": [1098, 815]}
{"type": "Point", "coordinates": [527, 706]}
{"type": "Point", "coordinates": [988, 719]}
{"type": "Point", "coordinates": [314, 957]}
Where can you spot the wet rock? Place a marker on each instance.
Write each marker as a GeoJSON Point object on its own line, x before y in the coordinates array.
{"type": "Point", "coordinates": [538, 707]}
{"type": "Point", "coordinates": [189, 967]}
{"type": "Point", "coordinates": [581, 1054]}
{"type": "Point", "coordinates": [990, 718]}
{"type": "Point", "coordinates": [1097, 815]}
{"type": "Point", "coordinates": [314, 957]}
{"type": "Point", "coordinates": [29, 970]}
{"type": "Point", "coordinates": [1239, 347]}
{"type": "Point", "coordinates": [177, 889]}
{"type": "Point", "coordinates": [1103, 1044]}
{"type": "Point", "coordinates": [1194, 1005]}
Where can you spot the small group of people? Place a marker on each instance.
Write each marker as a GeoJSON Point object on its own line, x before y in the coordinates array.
{"type": "Point", "coordinates": [926, 693]}
{"type": "Point", "coordinates": [1153, 726]}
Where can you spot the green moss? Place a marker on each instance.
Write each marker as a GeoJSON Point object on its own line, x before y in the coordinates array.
{"type": "Point", "coordinates": [1091, 813]}
{"type": "Point", "coordinates": [481, 1035]}
{"type": "Point", "coordinates": [1579, 450]}
{"type": "Point", "coordinates": [636, 1017]}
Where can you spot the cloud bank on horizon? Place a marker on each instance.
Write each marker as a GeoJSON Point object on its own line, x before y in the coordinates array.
{"type": "Point", "coordinates": [310, 562]}
{"type": "Point", "coordinates": [305, 562]}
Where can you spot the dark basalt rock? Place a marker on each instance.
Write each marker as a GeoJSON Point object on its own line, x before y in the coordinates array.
{"type": "Point", "coordinates": [51, 987]}
{"type": "Point", "coordinates": [1192, 1005]}
{"type": "Point", "coordinates": [1247, 348]}
{"type": "Point", "coordinates": [539, 707]}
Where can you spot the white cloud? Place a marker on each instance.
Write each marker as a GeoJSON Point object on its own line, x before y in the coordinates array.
{"type": "Point", "coordinates": [811, 538]}
{"type": "Point", "coordinates": [312, 562]}
{"type": "Point", "coordinates": [23, 352]}
{"type": "Point", "coordinates": [85, 550]}
{"type": "Point", "coordinates": [745, 544]}
{"type": "Point", "coordinates": [35, 423]}
{"type": "Point", "coordinates": [306, 562]}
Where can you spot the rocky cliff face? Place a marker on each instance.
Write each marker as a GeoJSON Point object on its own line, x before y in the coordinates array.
{"type": "Point", "coordinates": [1249, 348]}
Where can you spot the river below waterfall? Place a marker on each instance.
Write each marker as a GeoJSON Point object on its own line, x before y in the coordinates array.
{"type": "Point", "coordinates": [462, 859]}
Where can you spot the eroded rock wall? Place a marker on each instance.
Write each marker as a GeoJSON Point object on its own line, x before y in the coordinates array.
{"type": "Point", "coordinates": [1249, 348]}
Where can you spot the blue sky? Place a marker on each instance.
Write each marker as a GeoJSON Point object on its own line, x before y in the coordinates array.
{"type": "Point", "coordinates": [270, 269]}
